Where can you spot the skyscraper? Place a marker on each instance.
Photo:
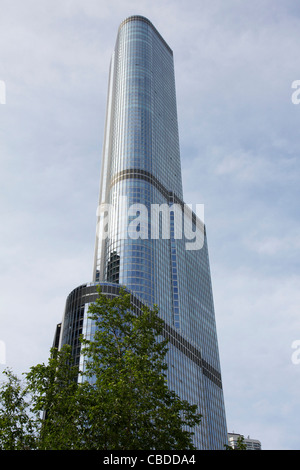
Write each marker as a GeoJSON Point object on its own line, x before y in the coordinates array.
{"type": "Point", "coordinates": [141, 190]}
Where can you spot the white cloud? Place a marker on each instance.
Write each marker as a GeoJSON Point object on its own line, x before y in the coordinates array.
{"type": "Point", "coordinates": [280, 244]}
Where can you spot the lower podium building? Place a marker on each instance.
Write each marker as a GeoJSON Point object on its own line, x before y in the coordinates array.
{"type": "Point", "coordinates": [148, 240]}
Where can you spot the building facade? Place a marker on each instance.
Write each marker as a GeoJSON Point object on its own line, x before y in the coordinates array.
{"type": "Point", "coordinates": [251, 444]}
{"type": "Point", "coordinates": [148, 239]}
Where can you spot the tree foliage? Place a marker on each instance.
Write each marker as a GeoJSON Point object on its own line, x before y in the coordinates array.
{"type": "Point", "coordinates": [120, 400]}
{"type": "Point", "coordinates": [17, 424]}
{"type": "Point", "coordinates": [54, 399]}
{"type": "Point", "coordinates": [240, 444]}
{"type": "Point", "coordinates": [127, 369]}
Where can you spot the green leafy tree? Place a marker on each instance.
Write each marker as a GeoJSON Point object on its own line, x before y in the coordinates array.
{"type": "Point", "coordinates": [55, 400]}
{"type": "Point", "coordinates": [119, 401]}
{"type": "Point", "coordinates": [44, 411]}
{"type": "Point", "coordinates": [17, 424]}
{"type": "Point", "coordinates": [240, 444]}
{"type": "Point", "coordinates": [132, 406]}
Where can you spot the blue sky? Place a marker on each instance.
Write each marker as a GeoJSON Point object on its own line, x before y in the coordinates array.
{"type": "Point", "coordinates": [235, 62]}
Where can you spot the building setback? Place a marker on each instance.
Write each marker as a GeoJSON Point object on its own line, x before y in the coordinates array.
{"type": "Point", "coordinates": [141, 169]}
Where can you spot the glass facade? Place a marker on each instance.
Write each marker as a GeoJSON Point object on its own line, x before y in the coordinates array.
{"type": "Point", "coordinates": [140, 170]}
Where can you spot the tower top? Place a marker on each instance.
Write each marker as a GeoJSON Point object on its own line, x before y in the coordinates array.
{"type": "Point", "coordinates": [145, 20]}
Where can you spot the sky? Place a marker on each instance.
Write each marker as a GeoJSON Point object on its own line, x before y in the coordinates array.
{"type": "Point", "coordinates": [235, 63]}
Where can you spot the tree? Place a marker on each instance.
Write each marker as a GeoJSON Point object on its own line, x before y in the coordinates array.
{"type": "Point", "coordinates": [119, 401]}
{"type": "Point", "coordinates": [240, 444]}
{"type": "Point", "coordinates": [125, 364]}
{"type": "Point", "coordinates": [55, 401]}
{"type": "Point", "coordinates": [17, 425]}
